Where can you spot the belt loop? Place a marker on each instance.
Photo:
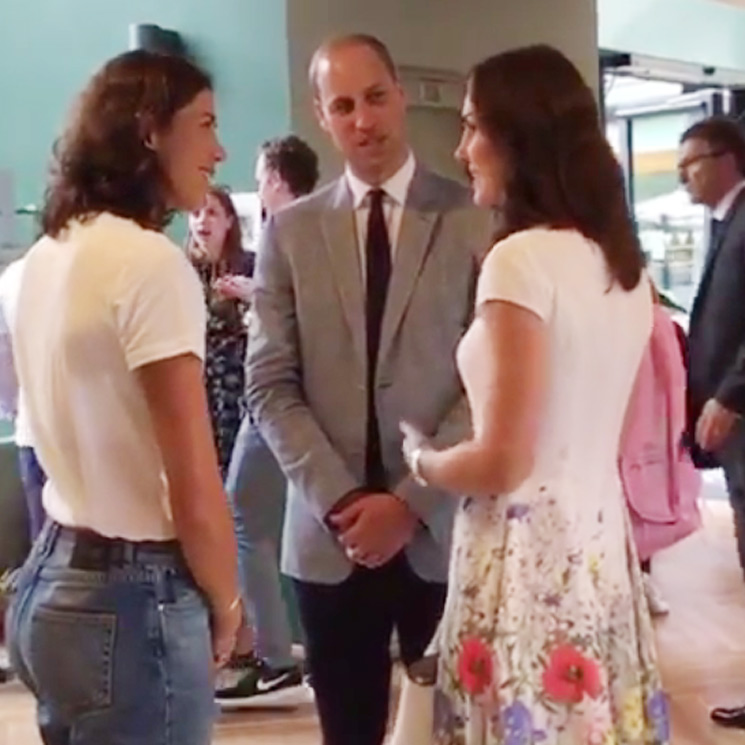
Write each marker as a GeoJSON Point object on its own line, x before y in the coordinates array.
{"type": "Point", "coordinates": [48, 538]}
{"type": "Point", "coordinates": [43, 547]}
{"type": "Point", "coordinates": [164, 583]}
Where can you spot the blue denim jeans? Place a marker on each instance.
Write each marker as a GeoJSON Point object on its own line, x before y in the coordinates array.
{"type": "Point", "coordinates": [256, 488]}
{"type": "Point", "coordinates": [120, 655]}
{"type": "Point", "coordinates": [33, 478]}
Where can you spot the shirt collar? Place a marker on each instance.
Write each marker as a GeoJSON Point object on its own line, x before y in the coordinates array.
{"type": "Point", "coordinates": [725, 204]}
{"type": "Point", "coordinates": [396, 187]}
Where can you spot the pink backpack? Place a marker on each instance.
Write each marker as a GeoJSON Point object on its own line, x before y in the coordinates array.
{"type": "Point", "coordinates": [661, 484]}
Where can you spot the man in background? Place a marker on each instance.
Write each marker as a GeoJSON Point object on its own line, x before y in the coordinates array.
{"type": "Point", "coordinates": [711, 164]}
{"type": "Point", "coordinates": [286, 169]}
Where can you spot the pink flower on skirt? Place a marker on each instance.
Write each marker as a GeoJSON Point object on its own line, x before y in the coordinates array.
{"type": "Point", "coordinates": [570, 675]}
{"type": "Point", "coordinates": [475, 666]}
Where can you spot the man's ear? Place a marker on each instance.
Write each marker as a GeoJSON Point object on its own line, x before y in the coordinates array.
{"type": "Point", "coordinates": [274, 180]}
{"type": "Point", "coordinates": [320, 115]}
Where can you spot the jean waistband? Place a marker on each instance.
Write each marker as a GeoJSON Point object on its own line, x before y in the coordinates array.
{"type": "Point", "coordinates": [88, 550]}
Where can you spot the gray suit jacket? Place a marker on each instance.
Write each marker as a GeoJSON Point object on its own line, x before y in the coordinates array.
{"type": "Point", "coordinates": [306, 365]}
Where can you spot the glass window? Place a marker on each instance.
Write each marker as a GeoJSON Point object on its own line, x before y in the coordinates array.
{"type": "Point", "coordinates": [671, 229]}
{"type": "Point", "coordinates": [653, 115]}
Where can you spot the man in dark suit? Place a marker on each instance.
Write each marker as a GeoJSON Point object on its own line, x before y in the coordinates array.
{"type": "Point", "coordinates": [712, 167]}
{"type": "Point", "coordinates": [363, 291]}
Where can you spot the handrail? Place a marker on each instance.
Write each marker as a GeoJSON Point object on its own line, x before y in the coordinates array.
{"type": "Point", "coordinates": [29, 209]}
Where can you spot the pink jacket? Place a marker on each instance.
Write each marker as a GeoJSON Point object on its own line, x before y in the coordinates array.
{"type": "Point", "coordinates": [660, 482]}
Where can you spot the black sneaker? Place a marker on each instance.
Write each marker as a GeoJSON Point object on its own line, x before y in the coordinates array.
{"type": "Point", "coordinates": [243, 662]}
{"type": "Point", "coordinates": [260, 685]}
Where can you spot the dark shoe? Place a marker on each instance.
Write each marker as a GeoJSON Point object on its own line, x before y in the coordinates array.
{"type": "Point", "coordinates": [243, 661]}
{"type": "Point", "coordinates": [260, 685]}
{"type": "Point", "coordinates": [729, 717]}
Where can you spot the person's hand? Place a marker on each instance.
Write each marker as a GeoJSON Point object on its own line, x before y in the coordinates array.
{"type": "Point", "coordinates": [375, 528]}
{"type": "Point", "coordinates": [413, 440]}
{"type": "Point", "coordinates": [714, 426]}
{"type": "Point", "coordinates": [225, 624]}
{"type": "Point", "coordinates": [235, 287]}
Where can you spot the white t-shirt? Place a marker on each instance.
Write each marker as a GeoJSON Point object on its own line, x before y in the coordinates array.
{"type": "Point", "coordinates": [103, 299]}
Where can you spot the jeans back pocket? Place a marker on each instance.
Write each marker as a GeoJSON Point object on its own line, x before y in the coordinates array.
{"type": "Point", "coordinates": [71, 658]}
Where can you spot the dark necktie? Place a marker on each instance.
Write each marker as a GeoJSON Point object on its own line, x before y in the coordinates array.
{"type": "Point", "coordinates": [378, 273]}
{"type": "Point", "coordinates": [716, 229]}
{"type": "Point", "coordinates": [716, 234]}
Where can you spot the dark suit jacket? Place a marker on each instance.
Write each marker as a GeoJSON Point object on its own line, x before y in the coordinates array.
{"type": "Point", "coordinates": [716, 338]}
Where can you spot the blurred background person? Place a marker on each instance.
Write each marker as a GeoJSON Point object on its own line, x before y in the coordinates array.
{"type": "Point", "coordinates": [286, 169]}
{"type": "Point", "coordinates": [32, 474]}
{"type": "Point", "coordinates": [216, 251]}
{"type": "Point", "coordinates": [711, 164]}
{"type": "Point", "coordinates": [263, 669]}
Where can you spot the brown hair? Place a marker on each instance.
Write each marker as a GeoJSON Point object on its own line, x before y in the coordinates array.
{"type": "Point", "coordinates": [534, 106]}
{"type": "Point", "coordinates": [722, 135]}
{"type": "Point", "coordinates": [294, 160]}
{"type": "Point", "coordinates": [102, 162]}
{"type": "Point", "coordinates": [232, 255]}
{"type": "Point", "coordinates": [350, 40]}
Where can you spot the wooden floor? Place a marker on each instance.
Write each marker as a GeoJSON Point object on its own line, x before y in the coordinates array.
{"type": "Point", "coordinates": [701, 643]}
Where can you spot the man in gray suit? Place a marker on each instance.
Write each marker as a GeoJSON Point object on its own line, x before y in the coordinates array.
{"type": "Point", "coordinates": [363, 291]}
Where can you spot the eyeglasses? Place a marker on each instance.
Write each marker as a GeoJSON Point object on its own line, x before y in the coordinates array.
{"type": "Point", "coordinates": [688, 162]}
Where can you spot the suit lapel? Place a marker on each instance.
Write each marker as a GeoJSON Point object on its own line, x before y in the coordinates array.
{"type": "Point", "coordinates": [706, 273]}
{"type": "Point", "coordinates": [713, 252]}
{"type": "Point", "coordinates": [337, 224]}
{"type": "Point", "coordinates": [715, 246]}
{"type": "Point", "coordinates": [419, 218]}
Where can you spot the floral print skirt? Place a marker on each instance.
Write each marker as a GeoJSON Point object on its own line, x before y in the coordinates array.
{"type": "Point", "coordinates": [546, 636]}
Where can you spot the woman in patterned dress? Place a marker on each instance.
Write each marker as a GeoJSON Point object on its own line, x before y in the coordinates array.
{"type": "Point", "coordinates": [215, 249]}
{"type": "Point", "coordinates": [546, 636]}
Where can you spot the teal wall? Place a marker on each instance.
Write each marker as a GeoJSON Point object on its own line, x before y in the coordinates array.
{"type": "Point", "coordinates": [49, 48]}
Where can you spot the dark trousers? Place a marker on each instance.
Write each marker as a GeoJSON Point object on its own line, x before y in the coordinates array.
{"type": "Point", "coordinates": [348, 630]}
{"type": "Point", "coordinates": [732, 458]}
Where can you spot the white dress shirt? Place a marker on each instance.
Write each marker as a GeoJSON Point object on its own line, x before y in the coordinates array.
{"type": "Point", "coordinates": [396, 190]}
{"type": "Point", "coordinates": [720, 211]}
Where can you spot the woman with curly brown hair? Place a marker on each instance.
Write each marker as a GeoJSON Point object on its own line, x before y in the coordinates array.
{"type": "Point", "coordinates": [130, 594]}
{"type": "Point", "coordinates": [546, 636]}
